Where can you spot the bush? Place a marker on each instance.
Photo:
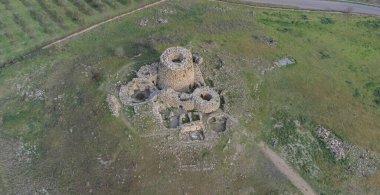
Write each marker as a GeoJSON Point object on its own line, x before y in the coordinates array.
{"type": "Point", "coordinates": [376, 93]}
{"type": "Point", "coordinates": [53, 14]}
{"type": "Point", "coordinates": [23, 25]}
{"type": "Point", "coordinates": [375, 24]}
{"type": "Point", "coordinates": [7, 4]}
{"type": "Point", "coordinates": [41, 19]}
{"type": "Point", "coordinates": [82, 7]}
{"type": "Point", "coordinates": [96, 4]}
{"type": "Point", "coordinates": [284, 29]}
{"type": "Point", "coordinates": [209, 82]}
{"type": "Point", "coordinates": [59, 2]}
{"type": "Point", "coordinates": [123, 1]}
{"type": "Point", "coordinates": [324, 54]}
{"type": "Point", "coordinates": [326, 20]}
{"type": "Point", "coordinates": [2, 25]}
{"type": "Point", "coordinates": [356, 93]}
{"type": "Point", "coordinates": [111, 3]}
{"type": "Point", "coordinates": [74, 16]}
{"type": "Point", "coordinates": [26, 3]}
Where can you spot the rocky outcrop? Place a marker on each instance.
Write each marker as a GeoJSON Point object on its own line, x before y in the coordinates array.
{"type": "Point", "coordinates": [338, 148]}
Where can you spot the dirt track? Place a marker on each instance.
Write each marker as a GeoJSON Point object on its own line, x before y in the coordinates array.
{"type": "Point", "coordinates": [288, 171]}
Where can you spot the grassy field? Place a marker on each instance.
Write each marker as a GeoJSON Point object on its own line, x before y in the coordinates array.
{"type": "Point", "coordinates": [54, 103]}
{"type": "Point", "coordinates": [26, 24]}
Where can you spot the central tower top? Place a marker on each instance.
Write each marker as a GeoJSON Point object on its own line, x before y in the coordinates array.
{"type": "Point", "coordinates": [176, 69]}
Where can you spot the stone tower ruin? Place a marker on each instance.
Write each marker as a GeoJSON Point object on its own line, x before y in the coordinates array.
{"type": "Point", "coordinates": [181, 99]}
{"type": "Point", "coordinates": [176, 70]}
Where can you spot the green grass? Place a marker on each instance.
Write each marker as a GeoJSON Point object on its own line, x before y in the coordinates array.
{"type": "Point", "coordinates": [26, 24]}
{"type": "Point", "coordinates": [334, 83]}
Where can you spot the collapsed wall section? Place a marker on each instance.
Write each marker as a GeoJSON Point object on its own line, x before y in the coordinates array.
{"type": "Point", "coordinates": [149, 72]}
{"type": "Point", "coordinates": [177, 99]}
{"type": "Point", "coordinates": [137, 91]}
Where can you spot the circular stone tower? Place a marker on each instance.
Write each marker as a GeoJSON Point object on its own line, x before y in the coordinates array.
{"type": "Point", "coordinates": [176, 69]}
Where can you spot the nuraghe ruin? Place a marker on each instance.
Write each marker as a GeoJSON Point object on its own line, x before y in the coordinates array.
{"type": "Point", "coordinates": [181, 100]}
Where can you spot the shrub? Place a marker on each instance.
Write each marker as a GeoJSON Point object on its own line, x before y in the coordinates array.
{"type": "Point", "coordinates": [7, 4]}
{"type": "Point", "coordinates": [96, 4]}
{"type": "Point", "coordinates": [324, 54]}
{"type": "Point", "coordinates": [209, 82]}
{"type": "Point", "coordinates": [356, 93]}
{"type": "Point", "coordinates": [111, 3]}
{"type": "Point", "coordinates": [2, 25]}
{"type": "Point", "coordinates": [53, 14]}
{"type": "Point", "coordinates": [26, 3]}
{"type": "Point", "coordinates": [96, 76]}
{"type": "Point", "coordinates": [23, 25]}
{"type": "Point", "coordinates": [81, 7]}
{"type": "Point", "coordinates": [376, 93]}
{"type": "Point", "coordinates": [284, 29]}
{"type": "Point", "coordinates": [326, 20]}
{"type": "Point", "coordinates": [41, 19]}
{"type": "Point", "coordinates": [375, 24]}
{"type": "Point", "coordinates": [74, 16]}
{"type": "Point", "coordinates": [59, 2]}
{"type": "Point", "coordinates": [123, 1]}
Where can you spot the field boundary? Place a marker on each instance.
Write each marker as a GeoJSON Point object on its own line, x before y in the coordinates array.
{"type": "Point", "coordinates": [76, 33]}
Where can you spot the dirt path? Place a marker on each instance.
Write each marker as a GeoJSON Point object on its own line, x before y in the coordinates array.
{"type": "Point", "coordinates": [101, 23]}
{"type": "Point", "coordinates": [288, 171]}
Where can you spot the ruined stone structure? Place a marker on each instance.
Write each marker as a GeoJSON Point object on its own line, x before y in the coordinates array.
{"type": "Point", "coordinates": [206, 100]}
{"type": "Point", "coordinates": [149, 72]}
{"type": "Point", "coordinates": [181, 99]}
{"type": "Point", "coordinates": [176, 70]}
{"type": "Point", "coordinates": [177, 99]}
{"type": "Point", "coordinates": [137, 91]}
